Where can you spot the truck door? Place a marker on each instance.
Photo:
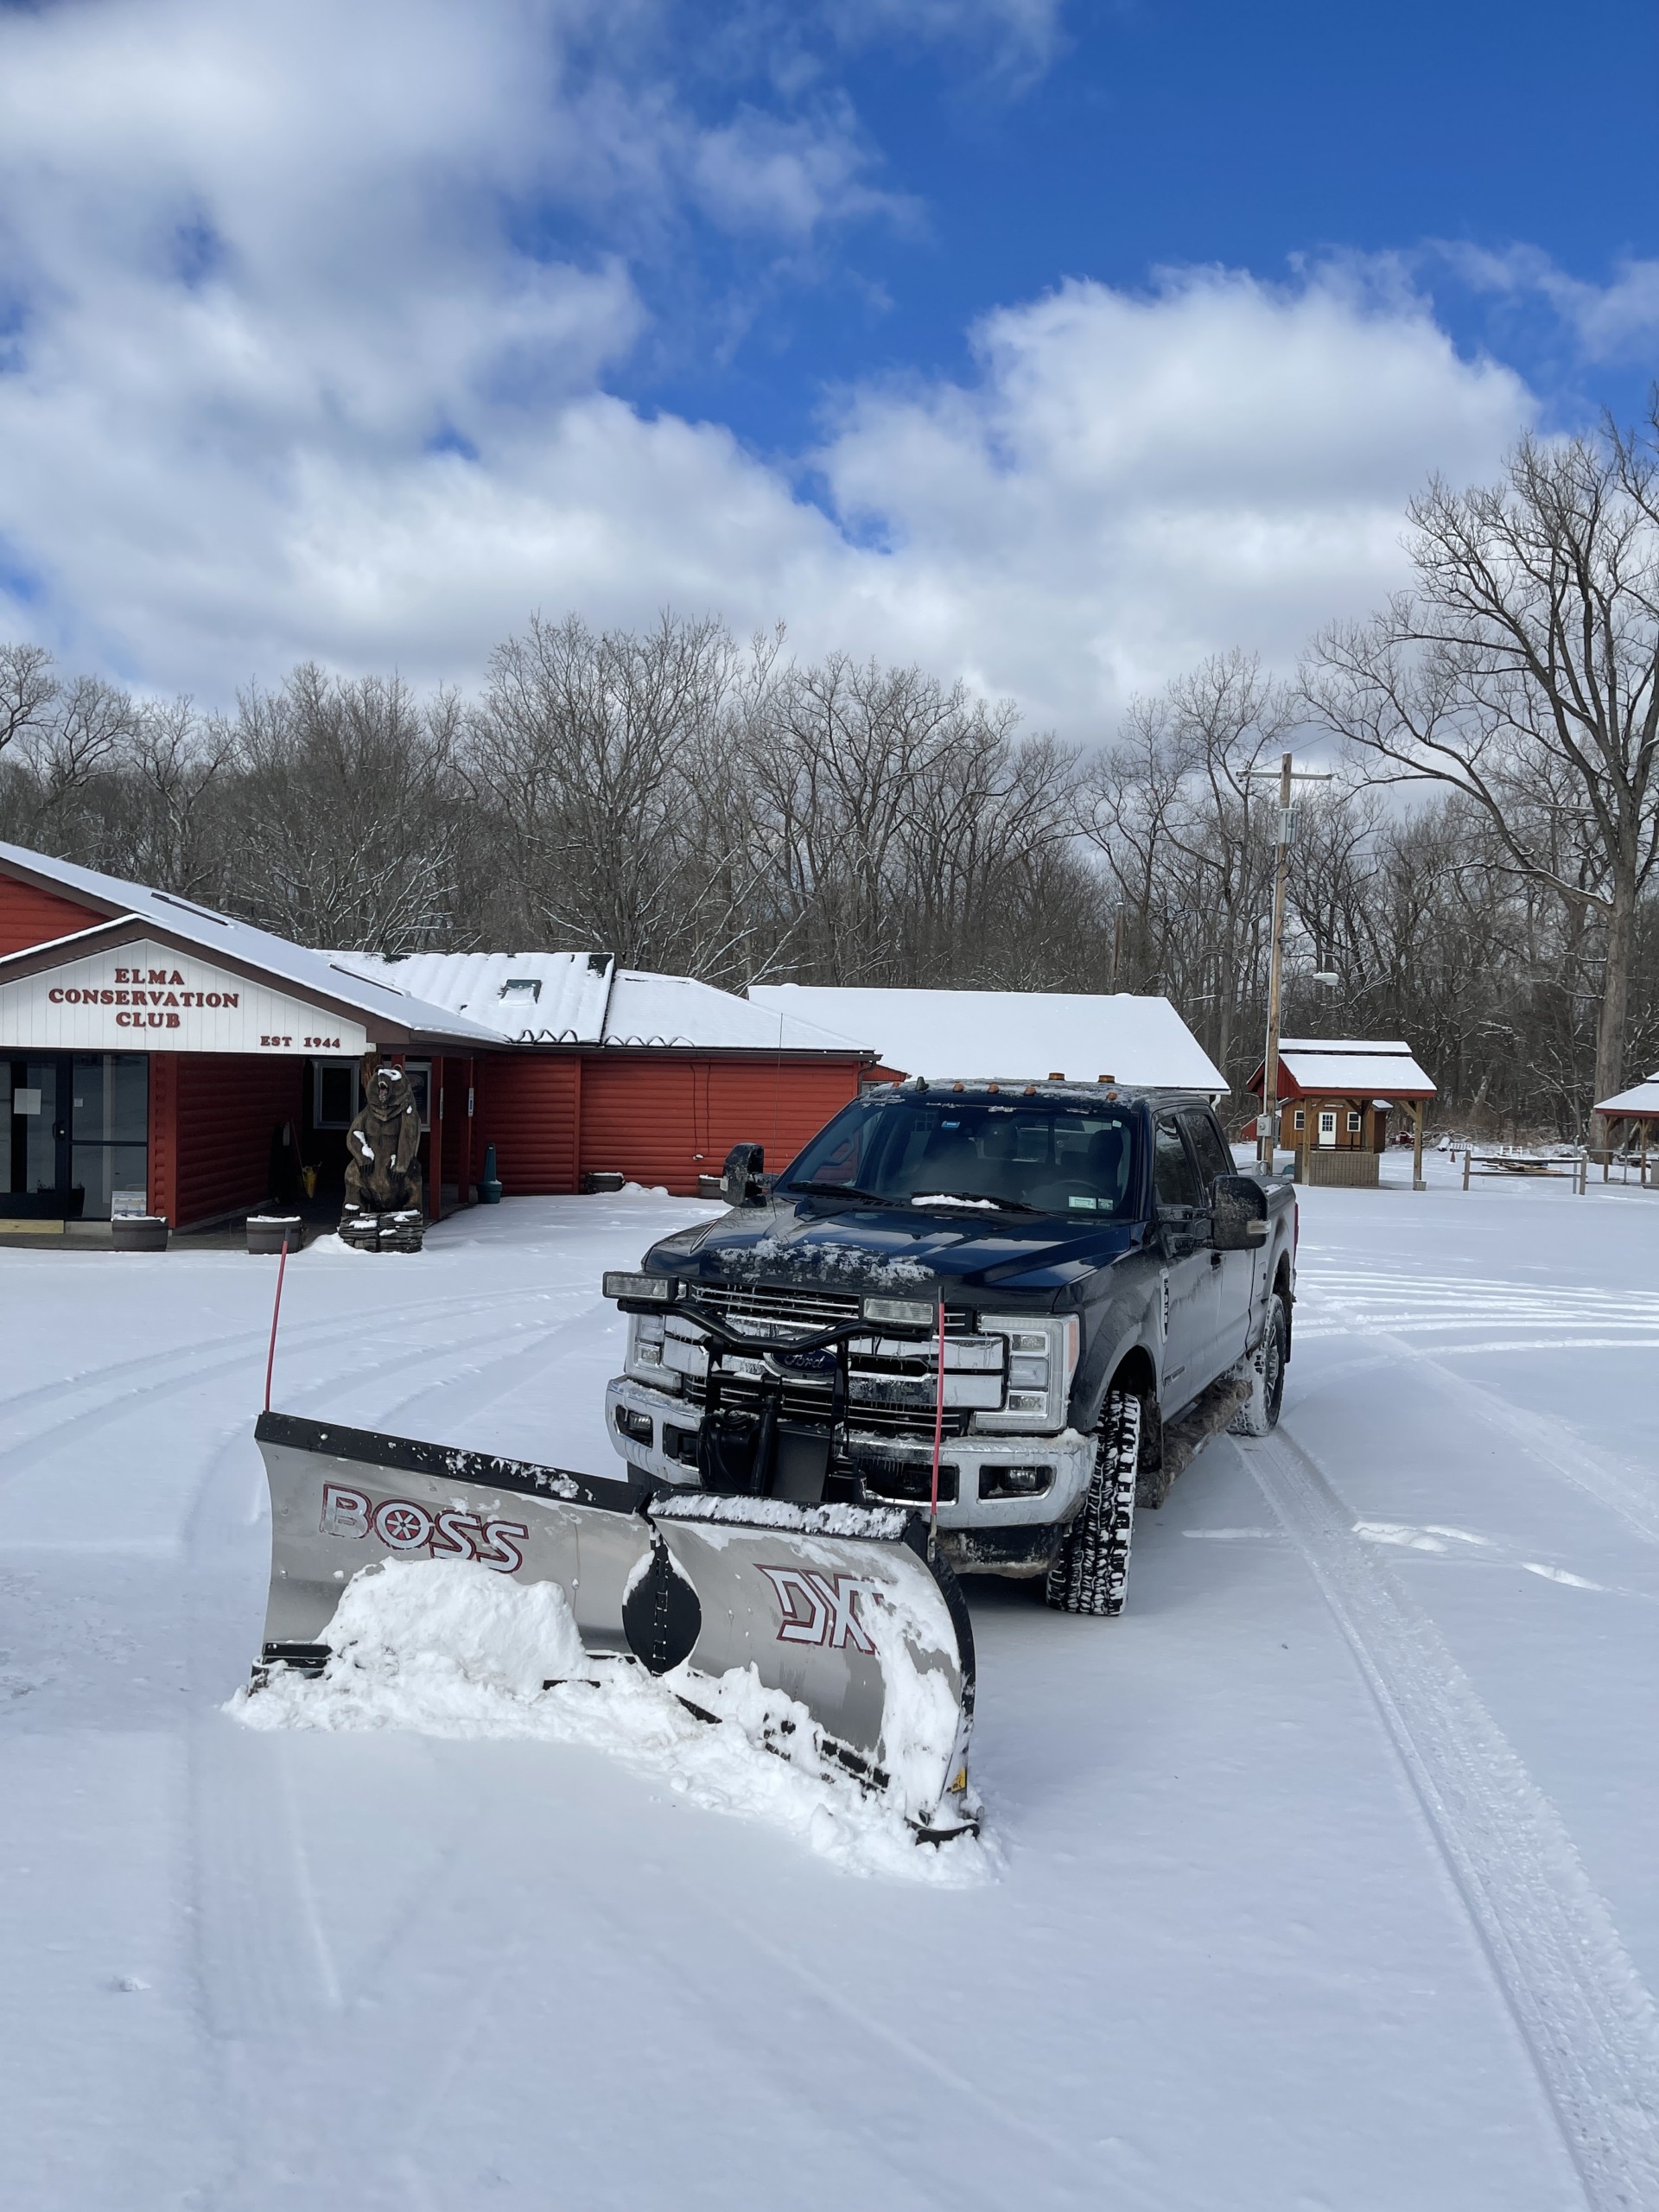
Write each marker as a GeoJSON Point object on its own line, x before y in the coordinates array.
{"type": "Point", "coordinates": [1233, 1273]}
{"type": "Point", "coordinates": [1190, 1290]}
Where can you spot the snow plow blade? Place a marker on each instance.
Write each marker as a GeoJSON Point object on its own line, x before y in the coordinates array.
{"type": "Point", "coordinates": [838, 1608]}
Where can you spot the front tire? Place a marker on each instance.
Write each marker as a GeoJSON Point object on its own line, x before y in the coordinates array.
{"type": "Point", "coordinates": [1265, 1368]}
{"type": "Point", "coordinates": [1090, 1570]}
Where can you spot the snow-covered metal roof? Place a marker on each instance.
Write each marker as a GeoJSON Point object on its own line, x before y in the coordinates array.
{"type": "Point", "coordinates": [533, 998]}
{"type": "Point", "coordinates": [1009, 1035]}
{"type": "Point", "coordinates": [581, 998]}
{"type": "Point", "coordinates": [345, 979]}
{"type": "Point", "coordinates": [1346, 1067]}
{"type": "Point", "coordinates": [1640, 1101]}
{"type": "Point", "coordinates": [649, 1009]}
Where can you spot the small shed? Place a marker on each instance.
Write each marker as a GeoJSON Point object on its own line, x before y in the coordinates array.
{"type": "Point", "coordinates": [1637, 1113]}
{"type": "Point", "coordinates": [1336, 1094]}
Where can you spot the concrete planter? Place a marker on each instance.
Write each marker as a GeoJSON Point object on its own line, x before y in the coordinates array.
{"type": "Point", "coordinates": [601, 1179]}
{"type": "Point", "coordinates": [266, 1232]}
{"type": "Point", "coordinates": [144, 1232]}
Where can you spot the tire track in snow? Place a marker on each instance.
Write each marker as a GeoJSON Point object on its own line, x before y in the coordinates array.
{"type": "Point", "coordinates": [267, 1979]}
{"type": "Point", "coordinates": [120, 1405]}
{"type": "Point", "coordinates": [1545, 1438]}
{"type": "Point", "coordinates": [1587, 2021]}
{"type": "Point", "coordinates": [164, 1368]}
{"type": "Point", "coordinates": [1339, 1300]}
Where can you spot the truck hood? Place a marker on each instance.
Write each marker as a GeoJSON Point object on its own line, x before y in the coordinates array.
{"type": "Point", "coordinates": [902, 1251]}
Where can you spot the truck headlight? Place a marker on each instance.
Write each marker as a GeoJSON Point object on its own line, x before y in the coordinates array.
{"type": "Point", "coordinates": [657, 1290]}
{"type": "Point", "coordinates": [902, 1313]}
{"type": "Point", "coordinates": [645, 1359]}
{"type": "Point", "coordinates": [1042, 1359]}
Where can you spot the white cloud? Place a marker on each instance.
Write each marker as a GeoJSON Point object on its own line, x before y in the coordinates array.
{"type": "Point", "coordinates": [276, 289]}
{"type": "Point", "coordinates": [1615, 321]}
{"type": "Point", "coordinates": [1020, 36]}
{"type": "Point", "coordinates": [1134, 481]}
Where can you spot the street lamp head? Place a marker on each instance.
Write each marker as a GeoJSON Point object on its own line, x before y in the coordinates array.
{"type": "Point", "coordinates": [1326, 976]}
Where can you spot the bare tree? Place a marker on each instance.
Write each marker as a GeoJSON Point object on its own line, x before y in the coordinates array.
{"type": "Point", "coordinates": [1187, 833]}
{"type": "Point", "coordinates": [587, 747]}
{"type": "Point", "coordinates": [28, 688]}
{"type": "Point", "coordinates": [346, 811]}
{"type": "Point", "coordinates": [1523, 672]}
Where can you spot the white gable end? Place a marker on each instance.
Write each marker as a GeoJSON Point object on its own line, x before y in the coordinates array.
{"type": "Point", "coordinates": [155, 998]}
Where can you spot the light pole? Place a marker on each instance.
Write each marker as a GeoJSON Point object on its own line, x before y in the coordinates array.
{"type": "Point", "coordinates": [1266, 1131]}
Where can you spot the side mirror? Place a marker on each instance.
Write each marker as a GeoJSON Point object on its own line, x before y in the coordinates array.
{"type": "Point", "coordinates": [741, 1183]}
{"type": "Point", "coordinates": [1238, 1216]}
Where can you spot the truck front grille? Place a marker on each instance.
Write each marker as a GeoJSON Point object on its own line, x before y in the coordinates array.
{"type": "Point", "coordinates": [800, 1312]}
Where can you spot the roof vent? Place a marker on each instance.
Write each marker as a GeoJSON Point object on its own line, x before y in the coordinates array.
{"type": "Point", "coordinates": [516, 988]}
{"type": "Point", "coordinates": [598, 962]}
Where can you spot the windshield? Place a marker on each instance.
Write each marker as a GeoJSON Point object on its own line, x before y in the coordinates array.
{"type": "Point", "coordinates": [1042, 1154]}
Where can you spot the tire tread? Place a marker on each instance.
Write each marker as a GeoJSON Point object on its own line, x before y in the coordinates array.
{"type": "Point", "coordinates": [1090, 1573]}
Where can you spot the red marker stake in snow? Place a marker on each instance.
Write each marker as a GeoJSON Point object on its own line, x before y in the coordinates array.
{"type": "Point", "coordinates": [270, 1356]}
{"type": "Point", "coordinates": [938, 1425]}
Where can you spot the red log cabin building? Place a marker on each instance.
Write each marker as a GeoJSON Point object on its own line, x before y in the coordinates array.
{"type": "Point", "coordinates": [149, 1045]}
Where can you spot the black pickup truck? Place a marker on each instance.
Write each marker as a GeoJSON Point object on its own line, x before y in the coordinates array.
{"type": "Point", "coordinates": [1016, 1307]}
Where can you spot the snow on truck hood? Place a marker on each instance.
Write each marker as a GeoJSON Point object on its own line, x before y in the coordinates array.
{"type": "Point", "coordinates": [895, 1248]}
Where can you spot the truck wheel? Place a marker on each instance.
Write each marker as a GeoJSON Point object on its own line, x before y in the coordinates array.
{"type": "Point", "coordinates": [1265, 1368]}
{"type": "Point", "coordinates": [1090, 1570]}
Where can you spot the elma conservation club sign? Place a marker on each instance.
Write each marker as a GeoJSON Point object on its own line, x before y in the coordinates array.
{"type": "Point", "coordinates": [152, 998]}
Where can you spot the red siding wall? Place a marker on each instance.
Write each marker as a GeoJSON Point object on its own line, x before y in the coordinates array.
{"type": "Point", "coordinates": [31, 917]}
{"type": "Point", "coordinates": [228, 1105]}
{"type": "Point", "coordinates": [659, 1118]}
{"type": "Point", "coordinates": [662, 1121]}
{"type": "Point", "coordinates": [527, 1109]}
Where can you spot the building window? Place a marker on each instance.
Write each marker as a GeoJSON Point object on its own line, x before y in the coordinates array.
{"type": "Point", "coordinates": [1300, 1121]}
{"type": "Point", "coordinates": [333, 1094]}
{"type": "Point", "coordinates": [1353, 1125]}
{"type": "Point", "coordinates": [419, 1075]}
{"type": "Point", "coordinates": [336, 1091]}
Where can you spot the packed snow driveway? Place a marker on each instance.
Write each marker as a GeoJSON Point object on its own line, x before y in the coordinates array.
{"type": "Point", "coordinates": [1322, 1878]}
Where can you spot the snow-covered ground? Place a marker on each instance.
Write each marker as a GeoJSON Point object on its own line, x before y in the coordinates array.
{"type": "Point", "coordinates": [1322, 1879]}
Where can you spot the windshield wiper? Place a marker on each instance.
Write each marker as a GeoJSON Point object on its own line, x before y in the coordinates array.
{"type": "Point", "coordinates": [973, 1198]}
{"type": "Point", "coordinates": [845, 1191]}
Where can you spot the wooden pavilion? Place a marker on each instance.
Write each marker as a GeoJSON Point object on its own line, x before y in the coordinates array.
{"type": "Point", "coordinates": [1636, 1113]}
{"type": "Point", "coordinates": [1336, 1096]}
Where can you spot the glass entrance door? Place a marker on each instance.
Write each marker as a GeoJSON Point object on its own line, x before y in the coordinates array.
{"type": "Point", "coordinates": [74, 1129]}
{"type": "Point", "coordinates": [109, 1131]}
{"type": "Point", "coordinates": [36, 1154]}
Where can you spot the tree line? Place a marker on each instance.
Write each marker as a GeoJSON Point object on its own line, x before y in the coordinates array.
{"type": "Point", "coordinates": [1478, 874]}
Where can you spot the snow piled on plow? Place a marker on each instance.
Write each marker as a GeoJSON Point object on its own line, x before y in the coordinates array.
{"type": "Point", "coordinates": [447, 1648]}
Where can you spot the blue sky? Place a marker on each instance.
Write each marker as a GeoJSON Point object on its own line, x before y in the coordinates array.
{"type": "Point", "coordinates": [1127, 138]}
{"type": "Point", "coordinates": [1051, 344]}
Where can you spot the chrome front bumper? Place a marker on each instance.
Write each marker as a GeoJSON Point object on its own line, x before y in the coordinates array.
{"type": "Point", "coordinates": [1071, 1455]}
